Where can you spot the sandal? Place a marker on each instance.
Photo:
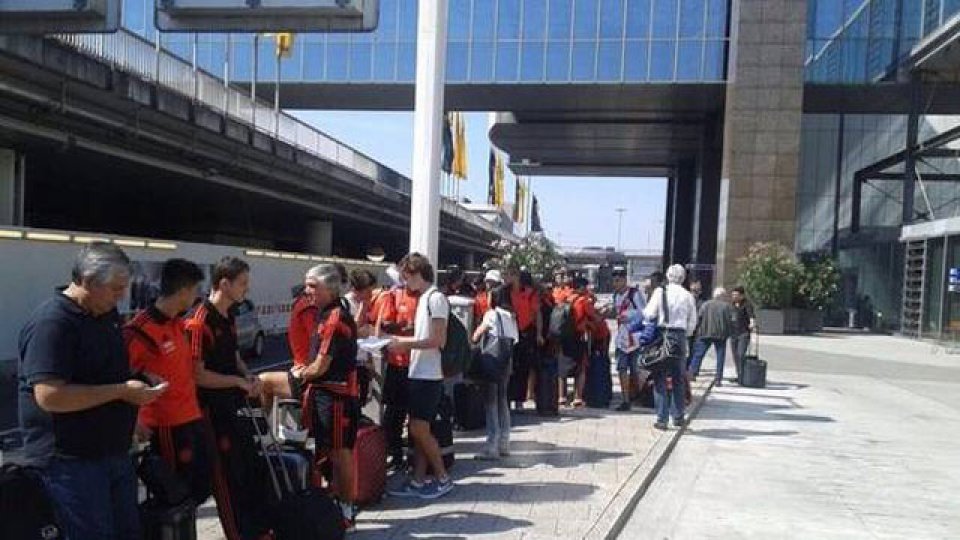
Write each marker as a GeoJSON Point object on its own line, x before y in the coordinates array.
{"type": "Point", "coordinates": [577, 403]}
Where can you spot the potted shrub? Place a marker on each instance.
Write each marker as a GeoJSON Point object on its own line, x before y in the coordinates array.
{"type": "Point", "coordinates": [817, 288]}
{"type": "Point", "coordinates": [770, 273]}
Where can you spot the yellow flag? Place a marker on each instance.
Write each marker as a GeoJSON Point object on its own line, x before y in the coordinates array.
{"type": "Point", "coordinates": [460, 147]}
{"type": "Point", "coordinates": [284, 44]}
{"type": "Point", "coordinates": [499, 181]}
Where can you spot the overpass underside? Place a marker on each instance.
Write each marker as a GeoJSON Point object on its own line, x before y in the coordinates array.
{"type": "Point", "coordinates": [103, 150]}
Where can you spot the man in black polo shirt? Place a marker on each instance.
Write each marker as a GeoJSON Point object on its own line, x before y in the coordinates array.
{"type": "Point", "coordinates": [78, 400]}
{"type": "Point", "coordinates": [224, 384]}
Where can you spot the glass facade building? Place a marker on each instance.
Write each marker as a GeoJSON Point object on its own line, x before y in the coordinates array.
{"type": "Point", "coordinates": [488, 41]}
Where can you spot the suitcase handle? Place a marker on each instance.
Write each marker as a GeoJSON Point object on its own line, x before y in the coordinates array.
{"type": "Point", "coordinates": [266, 448]}
{"type": "Point", "coordinates": [756, 340]}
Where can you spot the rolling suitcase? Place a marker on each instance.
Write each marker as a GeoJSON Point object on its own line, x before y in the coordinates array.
{"type": "Point", "coordinates": [546, 389]}
{"type": "Point", "coordinates": [301, 514]}
{"type": "Point", "coordinates": [598, 390]}
{"type": "Point", "coordinates": [753, 372]}
{"type": "Point", "coordinates": [369, 463]}
{"type": "Point", "coordinates": [469, 412]}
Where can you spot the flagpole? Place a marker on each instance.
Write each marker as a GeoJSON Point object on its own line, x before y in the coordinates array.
{"type": "Point", "coordinates": [529, 203]}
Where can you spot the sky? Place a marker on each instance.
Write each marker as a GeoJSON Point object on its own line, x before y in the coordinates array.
{"type": "Point", "coordinates": [574, 212]}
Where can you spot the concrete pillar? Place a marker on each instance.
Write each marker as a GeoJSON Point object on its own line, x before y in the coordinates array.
{"type": "Point", "coordinates": [684, 211]}
{"type": "Point", "coordinates": [12, 171]}
{"type": "Point", "coordinates": [427, 125]}
{"type": "Point", "coordinates": [708, 195]}
{"type": "Point", "coordinates": [668, 222]}
{"type": "Point", "coordinates": [320, 237]}
{"type": "Point", "coordinates": [761, 132]}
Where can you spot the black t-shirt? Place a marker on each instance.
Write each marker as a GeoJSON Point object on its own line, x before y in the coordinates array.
{"type": "Point", "coordinates": [213, 339]}
{"type": "Point", "coordinates": [63, 341]}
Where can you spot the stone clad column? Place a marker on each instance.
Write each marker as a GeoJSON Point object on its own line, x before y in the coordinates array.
{"type": "Point", "coordinates": [761, 132]}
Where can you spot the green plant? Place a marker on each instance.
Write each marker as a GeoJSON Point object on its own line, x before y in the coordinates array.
{"type": "Point", "coordinates": [819, 282]}
{"type": "Point", "coordinates": [535, 253]}
{"type": "Point", "coordinates": [770, 273]}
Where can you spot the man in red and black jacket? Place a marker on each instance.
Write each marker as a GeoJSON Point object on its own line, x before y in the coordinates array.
{"type": "Point", "coordinates": [397, 316]}
{"type": "Point", "coordinates": [332, 404]}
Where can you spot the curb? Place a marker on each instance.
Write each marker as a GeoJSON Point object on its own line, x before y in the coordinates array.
{"type": "Point", "coordinates": [614, 517]}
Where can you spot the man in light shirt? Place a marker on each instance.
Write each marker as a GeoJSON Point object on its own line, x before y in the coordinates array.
{"type": "Point", "coordinates": [425, 389]}
{"type": "Point", "coordinates": [677, 319]}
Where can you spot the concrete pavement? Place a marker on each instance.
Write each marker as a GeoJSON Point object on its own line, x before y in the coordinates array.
{"type": "Point", "coordinates": [855, 437]}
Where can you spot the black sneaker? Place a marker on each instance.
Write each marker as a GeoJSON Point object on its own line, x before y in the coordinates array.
{"type": "Point", "coordinates": [680, 422]}
{"type": "Point", "coordinates": [625, 406]}
{"type": "Point", "coordinates": [662, 426]}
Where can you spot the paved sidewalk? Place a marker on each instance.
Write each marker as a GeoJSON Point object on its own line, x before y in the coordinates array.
{"type": "Point", "coordinates": [855, 437]}
{"type": "Point", "coordinates": [562, 476]}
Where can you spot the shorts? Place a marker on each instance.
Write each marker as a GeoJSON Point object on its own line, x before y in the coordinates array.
{"type": "Point", "coordinates": [423, 399]}
{"type": "Point", "coordinates": [627, 362]}
{"type": "Point", "coordinates": [336, 420]}
{"type": "Point", "coordinates": [296, 387]}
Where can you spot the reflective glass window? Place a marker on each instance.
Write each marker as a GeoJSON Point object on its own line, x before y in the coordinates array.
{"type": "Point", "coordinates": [662, 60]}
{"type": "Point", "coordinates": [561, 12]}
{"type": "Point", "coordinates": [714, 58]}
{"type": "Point", "coordinates": [638, 18]}
{"type": "Point", "coordinates": [609, 61]}
{"type": "Point", "coordinates": [716, 18]}
{"type": "Point", "coordinates": [611, 19]}
{"type": "Point", "coordinates": [337, 60]}
{"type": "Point", "coordinates": [665, 18]}
{"type": "Point", "coordinates": [531, 61]}
{"type": "Point", "coordinates": [134, 15]}
{"type": "Point", "coordinates": [178, 45]}
{"type": "Point", "coordinates": [635, 61]}
{"type": "Point", "coordinates": [534, 19]}
{"type": "Point", "coordinates": [313, 61]}
{"type": "Point", "coordinates": [290, 68]}
{"type": "Point", "coordinates": [384, 62]}
{"type": "Point", "coordinates": [688, 63]}
{"type": "Point", "coordinates": [408, 20]}
{"type": "Point", "coordinates": [484, 20]}
{"type": "Point", "coordinates": [506, 69]}
{"type": "Point", "coordinates": [584, 60]}
{"type": "Point", "coordinates": [457, 61]}
{"type": "Point", "coordinates": [361, 62]}
{"type": "Point", "coordinates": [691, 18]}
{"type": "Point", "coordinates": [241, 61]}
{"type": "Point", "coordinates": [508, 19]}
{"type": "Point", "coordinates": [458, 20]}
{"type": "Point", "coordinates": [481, 62]}
{"type": "Point", "coordinates": [406, 62]}
{"type": "Point", "coordinates": [585, 19]}
{"type": "Point", "coordinates": [558, 61]}
{"type": "Point", "coordinates": [387, 26]}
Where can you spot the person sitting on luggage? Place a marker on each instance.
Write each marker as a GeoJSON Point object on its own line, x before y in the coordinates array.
{"type": "Point", "coordinates": [332, 407]}
{"type": "Point", "coordinates": [157, 343]}
{"type": "Point", "coordinates": [300, 329]}
{"type": "Point", "coordinates": [498, 321]}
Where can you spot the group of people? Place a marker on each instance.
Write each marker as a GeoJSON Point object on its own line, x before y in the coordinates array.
{"type": "Point", "coordinates": [173, 376]}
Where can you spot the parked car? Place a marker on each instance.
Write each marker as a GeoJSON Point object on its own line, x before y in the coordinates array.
{"type": "Point", "coordinates": [250, 335]}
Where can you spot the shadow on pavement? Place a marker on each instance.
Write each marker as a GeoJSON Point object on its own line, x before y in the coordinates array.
{"type": "Point", "coordinates": [728, 409]}
{"type": "Point", "coordinates": [447, 525]}
{"type": "Point", "coordinates": [736, 434]}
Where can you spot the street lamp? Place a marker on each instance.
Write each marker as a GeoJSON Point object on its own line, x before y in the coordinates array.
{"type": "Point", "coordinates": [619, 212]}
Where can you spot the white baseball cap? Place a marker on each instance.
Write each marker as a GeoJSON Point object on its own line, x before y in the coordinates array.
{"type": "Point", "coordinates": [493, 275]}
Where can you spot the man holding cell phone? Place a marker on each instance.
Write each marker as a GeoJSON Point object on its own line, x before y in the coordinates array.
{"type": "Point", "coordinates": [78, 399]}
{"type": "Point", "coordinates": [157, 344]}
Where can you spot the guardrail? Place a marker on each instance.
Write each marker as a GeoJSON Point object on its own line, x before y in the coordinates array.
{"type": "Point", "coordinates": [134, 54]}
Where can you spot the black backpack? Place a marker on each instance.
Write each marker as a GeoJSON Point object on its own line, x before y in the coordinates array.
{"type": "Point", "coordinates": [456, 354]}
{"type": "Point", "coordinates": [26, 510]}
{"type": "Point", "coordinates": [563, 329]}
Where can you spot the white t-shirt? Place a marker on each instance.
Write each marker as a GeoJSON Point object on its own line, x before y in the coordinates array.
{"type": "Point", "coordinates": [507, 320]}
{"type": "Point", "coordinates": [425, 363]}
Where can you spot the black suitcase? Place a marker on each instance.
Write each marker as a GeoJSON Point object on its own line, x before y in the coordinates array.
{"type": "Point", "coordinates": [163, 522]}
{"type": "Point", "coordinates": [546, 391]}
{"type": "Point", "coordinates": [469, 411]}
{"type": "Point", "coordinates": [753, 370]}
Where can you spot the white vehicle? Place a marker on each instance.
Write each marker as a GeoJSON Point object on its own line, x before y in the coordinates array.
{"type": "Point", "coordinates": [36, 262]}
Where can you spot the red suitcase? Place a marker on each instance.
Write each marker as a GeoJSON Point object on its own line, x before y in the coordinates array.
{"type": "Point", "coordinates": [369, 463]}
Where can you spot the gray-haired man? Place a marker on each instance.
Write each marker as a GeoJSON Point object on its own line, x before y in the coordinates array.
{"type": "Point", "coordinates": [78, 399]}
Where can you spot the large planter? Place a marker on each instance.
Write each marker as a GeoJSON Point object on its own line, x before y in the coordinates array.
{"type": "Point", "coordinates": [789, 321]}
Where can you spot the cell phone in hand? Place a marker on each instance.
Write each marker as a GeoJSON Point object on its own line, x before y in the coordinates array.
{"type": "Point", "coordinates": [162, 386]}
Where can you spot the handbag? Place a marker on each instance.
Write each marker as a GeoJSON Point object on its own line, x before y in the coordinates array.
{"type": "Point", "coordinates": [493, 357]}
{"type": "Point", "coordinates": [666, 347]}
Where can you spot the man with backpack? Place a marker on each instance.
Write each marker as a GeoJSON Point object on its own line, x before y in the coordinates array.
{"type": "Point", "coordinates": [628, 304]}
{"type": "Point", "coordinates": [157, 343]}
{"type": "Point", "coordinates": [426, 377]}
{"type": "Point", "coordinates": [572, 320]}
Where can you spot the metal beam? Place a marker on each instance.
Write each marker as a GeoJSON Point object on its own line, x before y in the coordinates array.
{"type": "Point", "coordinates": [899, 177]}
